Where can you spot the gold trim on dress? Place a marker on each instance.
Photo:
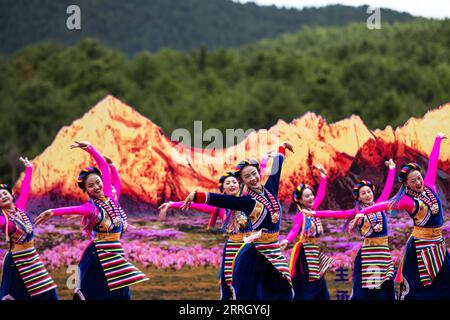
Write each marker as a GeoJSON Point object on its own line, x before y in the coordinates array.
{"type": "Point", "coordinates": [108, 236]}
{"type": "Point", "coordinates": [256, 212]}
{"type": "Point", "coordinates": [421, 213]}
{"type": "Point", "coordinates": [238, 237]}
{"type": "Point", "coordinates": [22, 246]}
{"type": "Point", "coordinates": [268, 237]}
{"type": "Point", "coordinates": [378, 241]}
{"type": "Point", "coordinates": [427, 233]}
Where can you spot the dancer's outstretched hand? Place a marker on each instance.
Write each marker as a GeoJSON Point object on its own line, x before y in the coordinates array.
{"type": "Point", "coordinates": [322, 170]}
{"type": "Point", "coordinates": [271, 154]}
{"type": "Point", "coordinates": [80, 144]}
{"type": "Point", "coordinates": [308, 213]}
{"type": "Point", "coordinates": [108, 160]}
{"type": "Point", "coordinates": [26, 162]}
{"type": "Point", "coordinates": [187, 202]}
{"type": "Point", "coordinates": [390, 164]}
{"type": "Point", "coordinates": [356, 221]}
{"type": "Point", "coordinates": [43, 217]}
{"type": "Point", "coordinates": [442, 135]}
{"type": "Point", "coordinates": [283, 244]}
{"type": "Point", "coordinates": [163, 210]}
{"type": "Point", "coordinates": [288, 146]}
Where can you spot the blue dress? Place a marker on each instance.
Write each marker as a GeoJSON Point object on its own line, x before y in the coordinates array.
{"type": "Point", "coordinates": [260, 269]}
{"type": "Point", "coordinates": [421, 256]}
{"type": "Point", "coordinates": [12, 283]}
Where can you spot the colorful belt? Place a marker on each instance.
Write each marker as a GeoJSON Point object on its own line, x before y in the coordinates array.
{"type": "Point", "coordinates": [22, 246]}
{"type": "Point", "coordinates": [238, 237]}
{"type": "Point", "coordinates": [309, 240]}
{"type": "Point", "coordinates": [378, 241]}
{"type": "Point", "coordinates": [107, 236]}
{"type": "Point", "coordinates": [268, 237]}
{"type": "Point", "coordinates": [427, 233]}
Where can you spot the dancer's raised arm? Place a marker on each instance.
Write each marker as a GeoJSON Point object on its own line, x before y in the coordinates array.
{"type": "Point", "coordinates": [21, 201]}
{"type": "Point", "coordinates": [101, 163]}
{"type": "Point", "coordinates": [389, 182]}
{"type": "Point", "coordinates": [430, 177]}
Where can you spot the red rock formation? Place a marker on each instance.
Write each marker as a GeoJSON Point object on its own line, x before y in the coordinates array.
{"type": "Point", "coordinates": [154, 169]}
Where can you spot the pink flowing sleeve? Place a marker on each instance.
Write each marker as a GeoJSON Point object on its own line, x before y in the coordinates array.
{"type": "Point", "coordinates": [202, 207]}
{"type": "Point", "coordinates": [295, 228]}
{"type": "Point", "coordinates": [387, 186]}
{"type": "Point", "coordinates": [21, 202]}
{"type": "Point", "coordinates": [104, 168]}
{"type": "Point", "coordinates": [430, 177]}
{"type": "Point", "coordinates": [336, 214]}
{"type": "Point", "coordinates": [115, 179]}
{"type": "Point", "coordinates": [405, 203]}
{"type": "Point", "coordinates": [320, 192]}
{"type": "Point", "coordinates": [84, 210]}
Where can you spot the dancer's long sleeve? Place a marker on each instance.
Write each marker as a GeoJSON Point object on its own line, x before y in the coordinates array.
{"type": "Point", "coordinates": [115, 179]}
{"type": "Point", "coordinates": [387, 186]}
{"type": "Point", "coordinates": [273, 182]}
{"type": "Point", "coordinates": [405, 203]}
{"type": "Point", "coordinates": [202, 207]}
{"type": "Point", "coordinates": [321, 191]}
{"type": "Point", "coordinates": [430, 177]}
{"type": "Point", "coordinates": [83, 210]}
{"type": "Point", "coordinates": [336, 214]}
{"type": "Point", "coordinates": [298, 221]}
{"type": "Point", "coordinates": [21, 201]}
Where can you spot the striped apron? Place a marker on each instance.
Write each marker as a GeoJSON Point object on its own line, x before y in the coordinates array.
{"type": "Point", "coordinates": [32, 271]}
{"type": "Point", "coordinates": [317, 262]}
{"type": "Point", "coordinates": [118, 271]}
{"type": "Point", "coordinates": [269, 247]}
{"type": "Point", "coordinates": [234, 243]}
{"type": "Point", "coordinates": [430, 253]}
{"type": "Point", "coordinates": [376, 262]}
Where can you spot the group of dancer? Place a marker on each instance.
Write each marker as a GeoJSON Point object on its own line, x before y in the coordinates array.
{"type": "Point", "coordinates": [253, 265]}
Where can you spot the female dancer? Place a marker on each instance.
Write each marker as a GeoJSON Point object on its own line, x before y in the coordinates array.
{"type": "Point", "coordinates": [24, 277]}
{"type": "Point", "coordinates": [373, 267]}
{"type": "Point", "coordinates": [308, 264]}
{"type": "Point", "coordinates": [235, 224]}
{"type": "Point", "coordinates": [425, 266]}
{"type": "Point", "coordinates": [104, 271]}
{"type": "Point", "coordinates": [260, 269]}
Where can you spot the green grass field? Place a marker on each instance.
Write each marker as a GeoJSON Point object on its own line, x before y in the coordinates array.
{"type": "Point", "coordinates": [184, 284]}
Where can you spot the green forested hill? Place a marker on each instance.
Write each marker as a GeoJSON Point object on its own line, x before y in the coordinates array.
{"type": "Point", "coordinates": [386, 76]}
{"type": "Point", "coordinates": [136, 25]}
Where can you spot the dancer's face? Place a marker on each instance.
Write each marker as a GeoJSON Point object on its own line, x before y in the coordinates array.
{"type": "Point", "coordinates": [230, 186]}
{"type": "Point", "coordinates": [307, 198]}
{"type": "Point", "coordinates": [6, 199]}
{"type": "Point", "coordinates": [250, 177]}
{"type": "Point", "coordinates": [366, 195]}
{"type": "Point", "coordinates": [94, 185]}
{"type": "Point", "coordinates": [414, 181]}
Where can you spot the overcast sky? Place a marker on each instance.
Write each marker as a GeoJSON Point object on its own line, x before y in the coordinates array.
{"type": "Point", "coordinates": [425, 8]}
